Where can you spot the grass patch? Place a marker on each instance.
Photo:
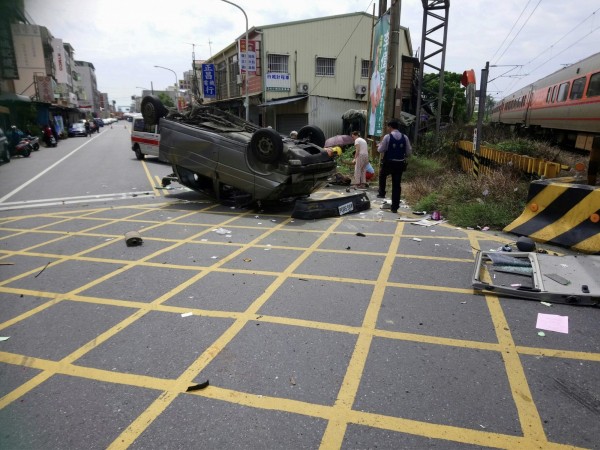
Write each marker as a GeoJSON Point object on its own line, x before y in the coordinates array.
{"type": "Point", "coordinates": [435, 181]}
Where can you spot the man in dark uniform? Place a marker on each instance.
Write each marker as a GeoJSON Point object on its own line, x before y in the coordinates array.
{"type": "Point", "coordinates": [395, 148]}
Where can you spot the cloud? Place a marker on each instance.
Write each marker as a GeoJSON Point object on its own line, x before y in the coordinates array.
{"type": "Point", "coordinates": [124, 39]}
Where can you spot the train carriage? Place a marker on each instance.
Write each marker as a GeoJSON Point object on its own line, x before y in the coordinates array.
{"type": "Point", "coordinates": [564, 105]}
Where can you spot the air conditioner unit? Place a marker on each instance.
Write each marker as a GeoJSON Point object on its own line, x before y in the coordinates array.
{"type": "Point", "coordinates": [360, 89]}
{"type": "Point", "coordinates": [302, 88]}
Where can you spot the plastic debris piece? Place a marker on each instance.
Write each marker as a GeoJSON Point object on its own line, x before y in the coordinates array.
{"type": "Point", "coordinates": [541, 333]}
{"type": "Point", "coordinates": [525, 244]}
{"type": "Point", "coordinates": [4, 338]}
{"type": "Point", "coordinates": [553, 322]}
{"type": "Point", "coordinates": [133, 238]}
{"type": "Point", "coordinates": [417, 239]}
{"type": "Point", "coordinates": [247, 260]}
{"type": "Point", "coordinates": [360, 234]}
{"type": "Point", "coordinates": [558, 279]}
{"type": "Point", "coordinates": [198, 387]}
{"type": "Point", "coordinates": [222, 231]}
{"type": "Point", "coordinates": [187, 314]}
{"type": "Point", "coordinates": [546, 303]}
{"type": "Point", "coordinates": [40, 272]}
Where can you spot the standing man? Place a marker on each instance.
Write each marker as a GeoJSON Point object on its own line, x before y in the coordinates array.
{"type": "Point", "coordinates": [361, 160]}
{"type": "Point", "coordinates": [395, 148]}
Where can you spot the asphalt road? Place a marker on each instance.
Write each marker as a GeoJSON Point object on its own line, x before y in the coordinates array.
{"type": "Point", "coordinates": [360, 331]}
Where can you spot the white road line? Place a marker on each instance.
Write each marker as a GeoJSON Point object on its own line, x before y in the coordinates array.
{"type": "Point", "coordinates": [74, 200]}
{"type": "Point", "coordinates": [24, 185]}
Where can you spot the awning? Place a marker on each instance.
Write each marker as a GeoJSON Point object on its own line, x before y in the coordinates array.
{"type": "Point", "coordinates": [281, 101]}
{"type": "Point", "coordinates": [10, 97]}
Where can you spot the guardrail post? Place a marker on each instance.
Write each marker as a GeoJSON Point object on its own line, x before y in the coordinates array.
{"type": "Point", "coordinates": [594, 164]}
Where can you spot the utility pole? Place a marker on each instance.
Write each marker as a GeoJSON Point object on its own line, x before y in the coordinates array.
{"type": "Point", "coordinates": [480, 114]}
{"type": "Point", "coordinates": [392, 62]}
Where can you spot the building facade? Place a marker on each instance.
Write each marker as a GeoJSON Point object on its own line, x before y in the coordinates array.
{"type": "Point", "coordinates": [85, 87]}
{"type": "Point", "coordinates": [303, 72]}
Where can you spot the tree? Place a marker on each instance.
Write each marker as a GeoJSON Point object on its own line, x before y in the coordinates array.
{"type": "Point", "coordinates": [166, 99]}
{"type": "Point", "coordinates": [489, 105]}
{"type": "Point", "coordinates": [454, 104]}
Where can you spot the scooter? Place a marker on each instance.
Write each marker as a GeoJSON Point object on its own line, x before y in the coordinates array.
{"type": "Point", "coordinates": [50, 141]}
{"type": "Point", "coordinates": [34, 141]}
{"type": "Point", "coordinates": [23, 148]}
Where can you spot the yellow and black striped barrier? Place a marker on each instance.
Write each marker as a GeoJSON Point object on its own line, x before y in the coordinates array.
{"type": "Point", "coordinates": [561, 212]}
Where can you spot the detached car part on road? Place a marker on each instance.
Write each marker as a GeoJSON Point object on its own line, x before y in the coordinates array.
{"type": "Point", "coordinates": [219, 154]}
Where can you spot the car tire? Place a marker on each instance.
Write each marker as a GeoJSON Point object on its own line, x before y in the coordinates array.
{"type": "Point", "coordinates": [138, 153]}
{"type": "Point", "coordinates": [152, 109]}
{"type": "Point", "coordinates": [6, 157]}
{"type": "Point", "coordinates": [266, 145]}
{"type": "Point", "coordinates": [314, 135]}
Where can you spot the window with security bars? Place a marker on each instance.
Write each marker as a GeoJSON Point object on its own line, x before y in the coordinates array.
{"type": "Point", "coordinates": [364, 68]}
{"type": "Point", "coordinates": [221, 80]}
{"type": "Point", "coordinates": [325, 67]}
{"type": "Point", "coordinates": [278, 63]}
{"type": "Point", "coordinates": [234, 76]}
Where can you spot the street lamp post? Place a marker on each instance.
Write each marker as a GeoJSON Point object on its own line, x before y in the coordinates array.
{"type": "Point", "coordinates": [146, 89]}
{"type": "Point", "coordinates": [176, 84]}
{"type": "Point", "coordinates": [247, 46]}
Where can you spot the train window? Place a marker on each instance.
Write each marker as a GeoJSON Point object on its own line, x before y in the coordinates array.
{"type": "Point", "coordinates": [577, 89]}
{"type": "Point", "coordinates": [549, 95]}
{"type": "Point", "coordinates": [594, 87]}
{"type": "Point", "coordinates": [554, 93]}
{"type": "Point", "coordinates": [563, 90]}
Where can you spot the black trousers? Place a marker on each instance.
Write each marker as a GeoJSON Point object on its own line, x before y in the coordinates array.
{"type": "Point", "coordinates": [394, 168]}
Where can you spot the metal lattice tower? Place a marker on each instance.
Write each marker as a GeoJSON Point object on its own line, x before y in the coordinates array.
{"type": "Point", "coordinates": [437, 11]}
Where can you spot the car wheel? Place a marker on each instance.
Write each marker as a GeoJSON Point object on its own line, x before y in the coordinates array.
{"type": "Point", "coordinates": [6, 157]}
{"type": "Point", "coordinates": [152, 109]}
{"type": "Point", "coordinates": [266, 145]}
{"type": "Point", "coordinates": [138, 153]}
{"type": "Point", "coordinates": [314, 135]}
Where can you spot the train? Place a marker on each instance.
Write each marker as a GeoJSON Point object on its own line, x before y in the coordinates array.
{"type": "Point", "coordinates": [563, 106]}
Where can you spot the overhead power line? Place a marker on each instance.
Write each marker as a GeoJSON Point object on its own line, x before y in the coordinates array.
{"type": "Point", "coordinates": [511, 29]}
{"type": "Point", "coordinates": [513, 39]}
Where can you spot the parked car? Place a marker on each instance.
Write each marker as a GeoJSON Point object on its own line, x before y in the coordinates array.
{"type": "Point", "coordinates": [4, 150]}
{"type": "Point", "coordinates": [77, 129]}
{"type": "Point", "coordinates": [215, 152]}
{"type": "Point", "coordinates": [99, 122]}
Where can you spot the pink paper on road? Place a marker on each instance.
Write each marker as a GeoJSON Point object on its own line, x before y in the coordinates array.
{"type": "Point", "coordinates": [553, 322]}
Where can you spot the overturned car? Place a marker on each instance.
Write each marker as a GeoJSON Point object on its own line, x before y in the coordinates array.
{"type": "Point", "coordinates": [217, 153]}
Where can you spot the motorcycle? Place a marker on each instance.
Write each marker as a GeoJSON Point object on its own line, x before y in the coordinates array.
{"type": "Point", "coordinates": [50, 141]}
{"type": "Point", "coordinates": [22, 148]}
{"type": "Point", "coordinates": [34, 141]}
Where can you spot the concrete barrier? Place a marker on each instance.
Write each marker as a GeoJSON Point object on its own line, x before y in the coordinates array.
{"type": "Point", "coordinates": [562, 212]}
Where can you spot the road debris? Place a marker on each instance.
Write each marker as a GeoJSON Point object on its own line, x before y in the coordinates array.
{"type": "Point", "coordinates": [40, 272]}
{"type": "Point", "coordinates": [552, 322]}
{"type": "Point", "coordinates": [198, 387]}
{"type": "Point", "coordinates": [133, 238]}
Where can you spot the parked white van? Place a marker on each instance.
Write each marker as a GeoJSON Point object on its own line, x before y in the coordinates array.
{"type": "Point", "coordinates": [145, 139]}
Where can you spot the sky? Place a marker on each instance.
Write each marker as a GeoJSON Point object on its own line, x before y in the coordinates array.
{"type": "Point", "coordinates": [523, 40]}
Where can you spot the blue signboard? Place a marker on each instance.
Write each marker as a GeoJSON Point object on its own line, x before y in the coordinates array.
{"type": "Point", "coordinates": [209, 87]}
